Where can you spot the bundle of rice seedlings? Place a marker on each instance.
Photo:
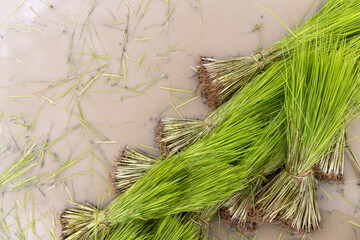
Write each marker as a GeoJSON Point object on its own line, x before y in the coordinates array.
{"type": "Point", "coordinates": [178, 226]}
{"type": "Point", "coordinates": [166, 193]}
{"type": "Point", "coordinates": [219, 79]}
{"type": "Point", "coordinates": [129, 166]}
{"type": "Point", "coordinates": [236, 212]}
{"type": "Point", "coordinates": [174, 134]}
{"type": "Point", "coordinates": [203, 175]}
{"type": "Point", "coordinates": [263, 97]}
{"type": "Point", "coordinates": [331, 165]}
{"type": "Point", "coordinates": [321, 92]}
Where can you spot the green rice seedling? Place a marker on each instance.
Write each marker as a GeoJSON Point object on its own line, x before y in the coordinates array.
{"type": "Point", "coordinates": [175, 227]}
{"type": "Point", "coordinates": [321, 91]}
{"type": "Point", "coordinates": [219, 79]}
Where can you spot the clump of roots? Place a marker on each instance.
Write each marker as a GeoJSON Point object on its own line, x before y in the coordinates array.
{"type": "Point", "coordinates": [289, 201]}
{"type": "Point", "coordinates": [331, 165]}
{"type": "Point", "coordinates": [219, 79]}
{"type": "Point", "coordinates": [174, 134]}
{"type": "Point", "coordinates": [235, 213]}
{"type": "Point", "coordinates": [83, 222]}
{"type": "Point", "coordinates": [129, 166]}
{"type": "Point", "coordinates": [210, 89]}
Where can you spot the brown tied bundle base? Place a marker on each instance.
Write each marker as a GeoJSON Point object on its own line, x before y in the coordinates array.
{"type": "Point", "coordinates": [159, 136]}
{"type": "Point", "coordinates": [286, 224]}
{"type": "Point", "coordinates": [259, 217]}
{"type": "Point", "coordinates": [210, 89]}
{"type": "Point", "coordinates": [246, 227]}
{"type": "Point", "coordinates": [63, 224]}
{"type": "Point", "coordinates": [112, 178]}
{"type": "Point", "coordinates": [321, 175]}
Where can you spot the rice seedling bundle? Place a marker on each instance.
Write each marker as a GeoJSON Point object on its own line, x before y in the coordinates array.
{"type": "Point", "coordinates": [329, 168]}
{"type": "Point", "coordinates": [204, 174]}
{"type": "Point", "coordinates": [235, 210]}
{"type": "Point", "coordinates": [322, 90]}
{"type": "Point", "coordinates": [262, 97]}
{"type": "Point", "coordinates": [179, 226]}
{"type": "Point", "coordinates": [219, 79]}
{"type": "Point", "coordinates": [130, 165]}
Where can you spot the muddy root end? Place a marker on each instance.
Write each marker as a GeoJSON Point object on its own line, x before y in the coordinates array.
{"type": "Point", "coordinates": [328, 177]}
{"type": "Point", "coordinates": [210, 89]}
{"type": "Point", "coordinates": [112, 176]}
{"type": "Point", "coordinates": [159, 136]}
{"type": "Point", "coordinates": [245, 227]}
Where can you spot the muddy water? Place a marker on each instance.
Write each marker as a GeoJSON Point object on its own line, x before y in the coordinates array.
{"type": "Point", "coordinates": [61, 68]}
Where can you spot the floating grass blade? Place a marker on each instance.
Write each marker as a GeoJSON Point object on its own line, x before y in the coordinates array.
{"type": "Point", "coordinates": [13, 176]}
